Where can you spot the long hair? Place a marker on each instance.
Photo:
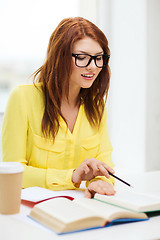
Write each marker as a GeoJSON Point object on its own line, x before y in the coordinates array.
{"type": "Point", "coordinates": [56, 71]}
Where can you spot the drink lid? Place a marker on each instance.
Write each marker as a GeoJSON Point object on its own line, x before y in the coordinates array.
{"type": "Point", "coordinates": [11, 167]}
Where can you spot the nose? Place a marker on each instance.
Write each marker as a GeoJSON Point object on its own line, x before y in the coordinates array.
{"type": "Point", "coordinates": [92, 65]}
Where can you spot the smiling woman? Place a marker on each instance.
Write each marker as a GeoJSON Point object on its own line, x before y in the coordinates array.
{"type": "Point", "coordinates": [83, 66]}
{"type": "Point", "coordinates": [60, 130]}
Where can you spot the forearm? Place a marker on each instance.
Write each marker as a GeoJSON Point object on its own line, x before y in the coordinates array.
{"type": "Point", "coordinates": [52, 179]}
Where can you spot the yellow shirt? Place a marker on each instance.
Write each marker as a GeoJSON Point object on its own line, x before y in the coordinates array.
{"type": "Point", "coordinates": [47, 164]}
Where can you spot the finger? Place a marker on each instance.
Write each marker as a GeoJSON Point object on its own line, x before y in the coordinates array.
{"type": "Point", "coordinates": [83, 169]}
{"type": "Point", "coordinates": [101, 187]}
{"type": "Point", "coordinates": [78, 174]}
{"type": "Point", "coordinates": [108, 189]}
{"type": "Point", "coordinates": [88, 194]}
{"type": "Point", "coordinates": [97, 170]}
{"type": "Point", "coordinates": [96, 187]}
{"type": "Point", "coordinates": [94, 165]}
{"type": "Point", "coordinates": [94, 168]}
{"type": "Point", "coordinates": [110, 192]}
{"type": "Point", "coordinates": [109, 169]}
{"type": "Point", "coordinates": [103, 171]}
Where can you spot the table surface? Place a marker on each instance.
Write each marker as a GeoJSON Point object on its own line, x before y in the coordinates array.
{"type": "Point", "coordinates": [19, 226]}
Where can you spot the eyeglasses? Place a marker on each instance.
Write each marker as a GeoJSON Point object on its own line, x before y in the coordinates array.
{"type": "Point", "coordinates": [83, 60]}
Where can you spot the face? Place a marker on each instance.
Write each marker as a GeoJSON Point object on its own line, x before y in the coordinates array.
{"type": "Point", "coordinates": [84, 77]}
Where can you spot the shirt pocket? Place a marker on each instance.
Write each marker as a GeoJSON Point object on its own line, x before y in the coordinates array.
{"type": "Point", "coordinates": [90, 146]}
{"type": "Point", "coordinates": [46, 153]}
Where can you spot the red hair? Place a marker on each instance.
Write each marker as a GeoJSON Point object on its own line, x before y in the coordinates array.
{"type": "Point", "coordinates": [55, 74]}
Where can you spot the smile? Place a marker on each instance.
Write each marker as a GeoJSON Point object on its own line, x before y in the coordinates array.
{"type": "Point", "coordinates": [87, 75]}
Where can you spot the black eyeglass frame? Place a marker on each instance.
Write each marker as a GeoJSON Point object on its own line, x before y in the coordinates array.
{"type": "Point", "coordinates": [91, 57]}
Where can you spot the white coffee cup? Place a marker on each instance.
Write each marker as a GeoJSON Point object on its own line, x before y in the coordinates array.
{"type": "Point", "coordinates": [10, 187]}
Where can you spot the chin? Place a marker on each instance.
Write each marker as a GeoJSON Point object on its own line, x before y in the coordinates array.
{"type": "Point", "coordinates": [87, 85]}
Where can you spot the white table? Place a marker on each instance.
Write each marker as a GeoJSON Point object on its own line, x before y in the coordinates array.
{"type": "Point", "coordinates": [20, 227]}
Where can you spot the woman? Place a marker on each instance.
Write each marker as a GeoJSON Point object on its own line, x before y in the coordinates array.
{"type": "Point", "coordinates": [57, 127]}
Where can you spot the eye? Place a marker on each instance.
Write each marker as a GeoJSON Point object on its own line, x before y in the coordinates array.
{"type": "Point", "coordinates": [99, 58]}
{"type": "Point", "coordinates": [81, 57]}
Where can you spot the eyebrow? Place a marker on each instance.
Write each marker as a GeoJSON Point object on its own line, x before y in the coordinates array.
{"type": "Point", "coordinates": [89, 54]}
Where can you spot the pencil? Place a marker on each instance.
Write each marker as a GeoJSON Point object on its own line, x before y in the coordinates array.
{"type": "Point", "coordinates": [120, 179]}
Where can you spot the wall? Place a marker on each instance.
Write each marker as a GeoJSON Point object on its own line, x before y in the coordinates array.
{"type": "Point", "coordinates": [153, 86]}
{"type": "Point", "coordinates": [128, 84]}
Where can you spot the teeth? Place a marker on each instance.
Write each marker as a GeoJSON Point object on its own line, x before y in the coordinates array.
{"type": "Point", "coordinates": [87, 75]}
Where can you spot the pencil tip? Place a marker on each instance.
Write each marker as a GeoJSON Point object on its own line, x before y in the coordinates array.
{"type": "Point", "coordinates": [131, 186]}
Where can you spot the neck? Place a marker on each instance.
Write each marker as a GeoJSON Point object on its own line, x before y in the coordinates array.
{"type": "Point", "coordinates": [72, 97]}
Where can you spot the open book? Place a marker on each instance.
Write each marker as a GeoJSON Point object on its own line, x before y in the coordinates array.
{"type": "Point", "coordinates": [132, 200]}
{"type": "Point", "coordinates": [63, 215]}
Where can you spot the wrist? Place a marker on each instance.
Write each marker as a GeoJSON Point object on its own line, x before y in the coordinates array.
{"type": "Point", "coordinates": [93, 180]}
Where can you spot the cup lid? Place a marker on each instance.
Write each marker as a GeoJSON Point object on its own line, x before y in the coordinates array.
{"type": "Point", "coordinates": [11, 167]}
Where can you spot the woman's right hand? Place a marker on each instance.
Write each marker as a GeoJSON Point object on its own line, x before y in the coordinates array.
{"type": "Point", "coordinates": [89, 169]}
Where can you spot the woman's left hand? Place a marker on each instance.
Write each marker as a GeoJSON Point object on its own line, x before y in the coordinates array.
{"type": "Point", "coordinates": [101, 187]}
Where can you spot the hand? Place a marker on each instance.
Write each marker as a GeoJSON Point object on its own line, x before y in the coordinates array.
{"type": "Point", "coordinates": [89, 169]}
{"type": "Point", "coordinates": [101, 187]}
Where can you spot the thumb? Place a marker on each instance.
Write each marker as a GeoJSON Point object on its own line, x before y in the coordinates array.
{"type": "Point", "coordinates": [88, 193]}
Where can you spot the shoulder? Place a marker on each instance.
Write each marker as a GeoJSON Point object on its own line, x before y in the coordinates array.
{"type": "Point", "coordinates": [30, 88]}
{"type": "Point", "coordinates": [27, 91]}
{"type": "Point", "coordinates": [25, 97]}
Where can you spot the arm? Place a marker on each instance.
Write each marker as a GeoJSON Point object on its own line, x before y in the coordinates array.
{"type": "Point", "coordinates": [105, 150]}
{"type": "Point", "coordinates": [95, 170]}
{"type": "Point", "coordinates": [16, 147]}
{"type": "Point", "coordinates": [102, 184]}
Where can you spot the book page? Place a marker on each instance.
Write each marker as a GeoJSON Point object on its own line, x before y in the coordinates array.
{"type": "Point", "coordinates": [37, 194]}
{"type": "Point", "coordinates": [132, 200]}
{"type": "Point", "coordinates": [64, 210]}
{"type": "Point", "coordinates": [100, 208]}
